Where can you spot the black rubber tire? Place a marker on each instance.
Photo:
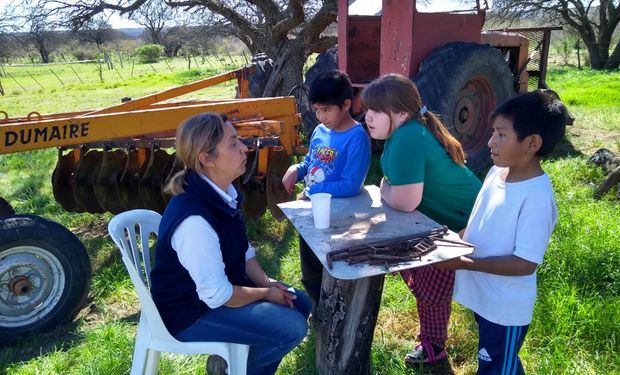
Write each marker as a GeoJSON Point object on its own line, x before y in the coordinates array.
{"type": "Point", "coordinates": [452, 79]}
{"type": "Point", "coordinates": [258, 80]}
{"type": "Point", "coordinates": [49, 265]}
{"type": "Point", "coordinates": [5, 208]}
{"type": "Point", "coordinates": [325, 61]}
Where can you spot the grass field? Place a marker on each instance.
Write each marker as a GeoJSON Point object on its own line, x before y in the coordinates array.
{"type": "Point", "coordinates": [576, 327]}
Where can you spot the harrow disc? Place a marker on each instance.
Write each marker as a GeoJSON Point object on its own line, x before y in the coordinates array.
{"type": "Point", "coordinates": [63, 180]}
{"type": "Point", "coordinates": [173, 167]}
{"type": "Point", "coordinates": [129, 185]}
{"type": "Point", "coordinates": [84, 182]}
{"type": "Point", "coordinates": [254, 199]}
{"type": "Point", "coordinates": [153, 180]}
{"type": "Point", "coordinates": [279, 161]}
{"type": "Point", "coordinates": [107, 182]}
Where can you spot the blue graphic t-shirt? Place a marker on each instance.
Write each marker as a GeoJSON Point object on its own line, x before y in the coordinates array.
{"type": "Point", "coordinates": [337, 162]}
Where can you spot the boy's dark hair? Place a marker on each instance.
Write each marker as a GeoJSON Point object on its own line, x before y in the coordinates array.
{"type": "Point", "coordinates": [536, 112]}
{"type": "Point", "coordinates": [330, 88]}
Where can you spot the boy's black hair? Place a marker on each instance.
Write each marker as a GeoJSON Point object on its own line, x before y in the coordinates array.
{"type": "Point", "coordinates": [330, 88]}
{"type": "Point", "coordinates": [536, 112]}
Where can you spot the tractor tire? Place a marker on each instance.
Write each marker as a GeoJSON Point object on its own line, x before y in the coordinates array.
{"type": "Point", "coordinates": [463, 83]}
{"type": "Point", "coordinates": [325, 62]}
{"type": "Point", "coordinates": [44, 275]}
{"type": "Point", "coordinates": [258, 80]}
{"type": "Point", "coordinates": [5, 208]}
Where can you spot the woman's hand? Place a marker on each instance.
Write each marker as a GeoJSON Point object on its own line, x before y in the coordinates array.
{"type": "Point", "coordinates": [279, 294]}
{"type": "Point", "coordinates": [290, 178]}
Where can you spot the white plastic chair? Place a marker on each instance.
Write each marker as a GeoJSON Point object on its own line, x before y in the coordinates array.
{"type": "Point", "coordinates": [131, 231]}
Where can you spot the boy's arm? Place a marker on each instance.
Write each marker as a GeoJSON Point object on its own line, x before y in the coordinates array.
{"type": "Point", "coordinates": [353, 172]}
{"type": "Point", "coordinates": [508, 265]}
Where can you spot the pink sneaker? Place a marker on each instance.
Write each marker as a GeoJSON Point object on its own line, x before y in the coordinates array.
{"type": "Point", "coordinates": [424, 353]}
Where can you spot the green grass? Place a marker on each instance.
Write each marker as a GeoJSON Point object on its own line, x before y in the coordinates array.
{"type": "Point", "coordinates": [576, 326]}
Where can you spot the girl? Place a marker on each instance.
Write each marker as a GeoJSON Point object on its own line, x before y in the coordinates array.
{"type": "Point", "coordinates": [206, 282]}
{"type": "Point", "coordinates": [423, 169]}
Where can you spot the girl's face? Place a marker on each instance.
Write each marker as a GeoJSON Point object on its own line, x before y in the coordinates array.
{"type": "Point", "coordinates": [381, 124]}
{"type": "Point", "coordinates": [378, 124]}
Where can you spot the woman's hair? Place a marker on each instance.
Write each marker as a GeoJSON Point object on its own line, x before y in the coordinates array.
{"type": "Point", "coordinates": [198, 134]}
{"type": "Point", "coordinates": [395, 93]}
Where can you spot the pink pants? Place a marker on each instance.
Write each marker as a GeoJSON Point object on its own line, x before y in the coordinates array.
{"type": "Point", "coordinates": [432, 289]}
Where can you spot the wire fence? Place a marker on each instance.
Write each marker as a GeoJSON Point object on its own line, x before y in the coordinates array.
{"type": "Point", "coordinates": [16, 79]}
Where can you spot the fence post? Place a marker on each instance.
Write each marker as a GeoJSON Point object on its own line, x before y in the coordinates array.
{"type": "Point", "coordinates": [13, 78]}
{"type": "Point", "coordinates": [169, 67]}
{"type": "Point", "coordinates": [78, 77]}
{"type": "Point", "coordinates": [34, 79]}
{"type": "Point", "coordinates": [100, 70]}
{"type": "Point", "coordinates": [61, 82]}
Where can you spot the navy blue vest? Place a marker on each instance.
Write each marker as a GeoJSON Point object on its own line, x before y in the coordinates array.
{"type": "Point", "coordinates": [172, 288]}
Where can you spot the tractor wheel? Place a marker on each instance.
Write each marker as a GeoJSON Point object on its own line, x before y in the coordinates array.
{"type": "Point", "coordinates": [5, 208]}
{"type": "Point", "coordinates": [463, 83]}
{"type": "Point", "coordinates": [44, 275]}
{"type": "Point", "coordinates": [258, 80]}
{"type": "Point", "coordinates": [325, 62]}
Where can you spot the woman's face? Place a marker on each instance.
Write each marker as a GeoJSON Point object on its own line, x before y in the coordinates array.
{"type": "Point", "coordinates": [231, 155]}
{"type": "Point", "coordinates": [378, 124]}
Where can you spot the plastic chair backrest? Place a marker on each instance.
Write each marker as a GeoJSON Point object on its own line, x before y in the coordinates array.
{"type": "Point", "coordinates": [131, 232]}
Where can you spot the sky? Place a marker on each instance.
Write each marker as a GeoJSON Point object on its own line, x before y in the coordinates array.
{"type": "Point", "coordinates": [116, 21]}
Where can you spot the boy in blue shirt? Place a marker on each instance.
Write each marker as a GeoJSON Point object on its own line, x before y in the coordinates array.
{"type": "Point", "coordinates": [510, 225]}
{"type": "Point", "coordinates": [337, 161]}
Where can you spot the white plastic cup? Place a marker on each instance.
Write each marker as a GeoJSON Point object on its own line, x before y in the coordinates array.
{"type": "Point", "coordinates": [321, 206]}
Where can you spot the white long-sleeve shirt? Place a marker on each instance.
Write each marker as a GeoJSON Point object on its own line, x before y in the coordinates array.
{"type": "Point", "coordinates": [198, 248]}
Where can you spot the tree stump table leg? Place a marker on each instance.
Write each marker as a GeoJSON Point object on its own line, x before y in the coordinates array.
{"type": "Point", "coordinates": [347, 314]}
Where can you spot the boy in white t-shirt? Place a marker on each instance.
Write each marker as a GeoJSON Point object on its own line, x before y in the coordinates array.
{"type": "Point", "coordinates": [510, 225]}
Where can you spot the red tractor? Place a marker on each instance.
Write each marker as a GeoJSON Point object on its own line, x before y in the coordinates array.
{"type": "Point", "coordinates": [462, 72]}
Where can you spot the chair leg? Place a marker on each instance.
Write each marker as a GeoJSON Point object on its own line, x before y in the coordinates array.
{"type": "Point", "coordinates": [152, 361]}
{"type": "Point", "coordinates": [238, 360]}
{"type": "Point", "coordinates": [138, 362]}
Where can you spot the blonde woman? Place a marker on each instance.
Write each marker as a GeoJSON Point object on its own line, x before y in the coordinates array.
{"type": "Point", "coordinates": [206, 282]}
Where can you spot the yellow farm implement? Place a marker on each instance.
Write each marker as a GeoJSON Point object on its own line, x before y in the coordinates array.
{"type": "Point", "coordinates": [115, 159]}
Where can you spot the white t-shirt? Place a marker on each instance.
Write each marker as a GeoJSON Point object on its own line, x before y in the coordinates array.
{"type": "Point", "coordinates": [508, 218]}
{"type": "Point", "coordinates": [198, 248]}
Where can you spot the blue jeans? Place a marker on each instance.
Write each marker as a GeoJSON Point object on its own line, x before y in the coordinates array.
{"type": "Point", "coordinates": [270, 329]}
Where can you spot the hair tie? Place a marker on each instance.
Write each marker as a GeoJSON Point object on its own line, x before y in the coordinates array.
{"type": "Point", "coordinates": [423, 110]}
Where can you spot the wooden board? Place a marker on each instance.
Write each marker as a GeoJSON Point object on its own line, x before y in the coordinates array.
{"type": "Point", "coordinates": [365, 219]}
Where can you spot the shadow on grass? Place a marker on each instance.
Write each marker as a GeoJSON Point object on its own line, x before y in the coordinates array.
{"type": "Point", "coordinates": [565, 149]}
{"type": "Point", "coordinates": [23, 349]}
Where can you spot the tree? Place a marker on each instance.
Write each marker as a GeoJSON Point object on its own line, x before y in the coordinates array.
{"type": "Point", "coordinates": [154, 15]}
{"type": "Point", "coordinates": [40, 36]}
{"type": "Point", "coordinates": [595, 21]}
{"type": "Point", "coordinates": [97, 30]}
{"type": "Point", "coordinates": [287, 31]}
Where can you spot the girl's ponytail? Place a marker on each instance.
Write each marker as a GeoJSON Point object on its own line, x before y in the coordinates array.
{"type": "Point", "coordinates": [447, 140]}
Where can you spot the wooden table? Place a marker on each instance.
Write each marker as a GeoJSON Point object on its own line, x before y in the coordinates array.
{"type": "Point", "coordinates": [351, 294]}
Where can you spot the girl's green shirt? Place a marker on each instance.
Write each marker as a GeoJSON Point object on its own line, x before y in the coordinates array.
{"type": "Point", "coordinates": [413, 155]}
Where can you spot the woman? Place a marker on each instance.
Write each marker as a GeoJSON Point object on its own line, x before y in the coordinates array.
{"type": "Point", "coordinates": [206, 282]}
{"type": "Point", "coordinates": [424, 168]}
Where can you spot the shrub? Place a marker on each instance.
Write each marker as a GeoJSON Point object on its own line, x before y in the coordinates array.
{"type": "Point", "coordinates": [149, 53]}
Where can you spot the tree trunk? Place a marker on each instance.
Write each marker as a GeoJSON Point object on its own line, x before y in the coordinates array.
{"type": "Point", "coordinates": [614, 60]}
{"type": "Point", "coordinates": [346, 318]}
{"type": "Point", "coordinates": [288, 63]}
